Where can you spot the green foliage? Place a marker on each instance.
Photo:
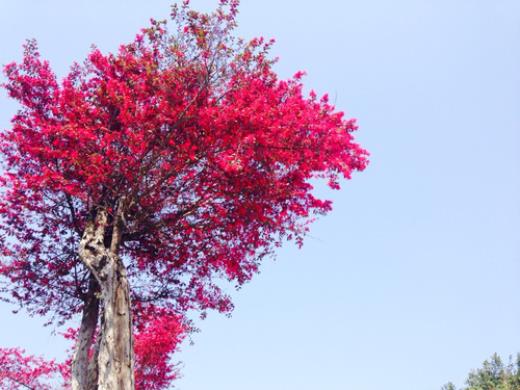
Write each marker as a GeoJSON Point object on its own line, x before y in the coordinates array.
{"type": "Point", "coordinates": [449, 386]}
{"type": "Point", "coordinates": [493, 375]}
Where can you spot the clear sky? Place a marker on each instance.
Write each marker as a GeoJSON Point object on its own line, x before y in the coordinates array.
{"type": "Point", "coordinates": [414, 277]}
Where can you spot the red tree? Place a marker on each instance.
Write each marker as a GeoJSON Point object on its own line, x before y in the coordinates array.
{"type": "Point", "coordinates": [144, 176]}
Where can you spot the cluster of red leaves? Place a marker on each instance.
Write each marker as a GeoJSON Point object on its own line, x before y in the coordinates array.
{"type": "Point", "coordinates": [156, 336]}
{"type": "Point", "coordinates": [211, 152]}
{"type": "Point", "coordinates": [20, 371]}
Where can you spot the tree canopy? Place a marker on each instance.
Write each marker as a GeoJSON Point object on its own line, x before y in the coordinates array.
{"type": "Point", "coordinates": [493, 375]}
{"type": "Point", "coordinates": [137, 183]}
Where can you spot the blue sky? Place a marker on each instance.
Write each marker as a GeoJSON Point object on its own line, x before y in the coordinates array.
{"type": "Point", "coordinates": [413, 278]}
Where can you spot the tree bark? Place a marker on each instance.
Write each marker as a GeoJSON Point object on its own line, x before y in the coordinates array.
{"type": "Point", "coordinates": [115, 361]}
{"type": "Point", "coordinates": [83, 372]}
{"type": "Point", "coordinates": [114, 353]}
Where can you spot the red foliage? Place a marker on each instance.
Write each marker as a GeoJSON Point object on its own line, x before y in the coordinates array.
{"type": "Point", "coordinates": [20, 371]}
{"type": "Point", "coordinates": [210, 150]}
{"type": "Point", "coordinates": [158, 334]}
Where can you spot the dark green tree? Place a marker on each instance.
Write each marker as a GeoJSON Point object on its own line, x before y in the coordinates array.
{"type": "Point", "coordinates": [493, 375]}
{"type": "Point", "coordinates": [449, 386]}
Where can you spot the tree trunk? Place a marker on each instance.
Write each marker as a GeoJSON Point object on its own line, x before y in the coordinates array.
{"type": "Point", "coordinates": [83, 372]}
{"type": "Point", "coordinates": [114, 360]}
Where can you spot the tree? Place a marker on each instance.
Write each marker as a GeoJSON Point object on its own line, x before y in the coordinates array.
{"type": "Point", "coordinates": [449, 386]}
{"type": "Point", "coordinates": [145, 176]}
{"type": "Point", "coordinates": [493, 375]}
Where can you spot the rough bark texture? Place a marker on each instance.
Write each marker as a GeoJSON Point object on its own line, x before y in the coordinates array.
{"type": "Point", "coordinates": [116, 365]}
{"type": "Point", "coordinates": [84, 373]}
{"type": "Point", "coordinates": [113, 362]}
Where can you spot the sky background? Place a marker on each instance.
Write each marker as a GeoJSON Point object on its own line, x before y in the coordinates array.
{"type": "Point", "coordinates": [413, 278]}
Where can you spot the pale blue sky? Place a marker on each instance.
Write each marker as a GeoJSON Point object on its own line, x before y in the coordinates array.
{"type": "Point", "coordinates": [413, 278]}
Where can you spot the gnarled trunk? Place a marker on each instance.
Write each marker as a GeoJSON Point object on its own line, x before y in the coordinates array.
{"type": "Point", "coordinates": [112, 367]}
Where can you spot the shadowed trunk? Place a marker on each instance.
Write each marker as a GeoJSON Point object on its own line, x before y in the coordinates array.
{"type": "Point", "coordinates": [83, 375]}
{"type": "Point", "coordinates": [113, 361]}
